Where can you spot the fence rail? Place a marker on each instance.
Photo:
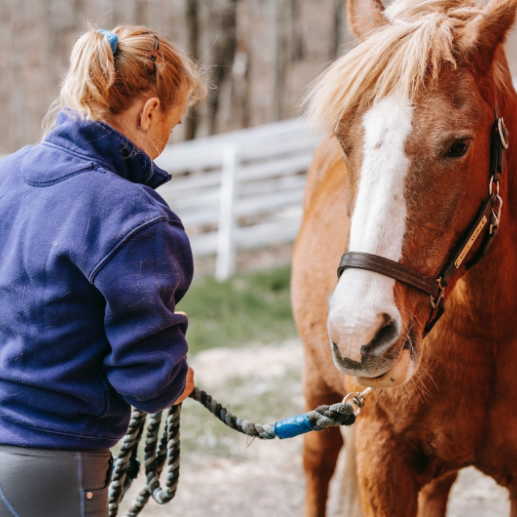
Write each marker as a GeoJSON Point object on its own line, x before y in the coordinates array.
{"type": "Point", "coordinates": [240, 190]}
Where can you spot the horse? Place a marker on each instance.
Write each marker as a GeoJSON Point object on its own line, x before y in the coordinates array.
{"type": "Point", "coordinates": [418, 116]}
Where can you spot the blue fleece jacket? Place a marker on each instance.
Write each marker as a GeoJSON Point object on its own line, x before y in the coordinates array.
{"type": "Point", "coordinates": [92, 264]}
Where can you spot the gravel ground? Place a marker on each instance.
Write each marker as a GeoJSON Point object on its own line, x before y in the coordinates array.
{"type": "Point", "coordinates": [228, 475]}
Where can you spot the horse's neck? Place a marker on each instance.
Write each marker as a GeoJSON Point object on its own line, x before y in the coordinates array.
{"type": "Point", "coordinates": [490, 288]}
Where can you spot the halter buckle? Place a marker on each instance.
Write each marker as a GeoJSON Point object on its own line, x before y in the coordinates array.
{"type": "Point", "coordinates": [435, 302]}
{"type": "Point", "coordinates": [503, 132]}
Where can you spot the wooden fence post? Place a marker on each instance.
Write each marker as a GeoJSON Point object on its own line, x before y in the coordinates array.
{"type": "Point", "coordinates": [225, 265]}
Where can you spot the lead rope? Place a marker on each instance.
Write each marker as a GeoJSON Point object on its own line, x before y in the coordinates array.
{"type": "Point", "coordinates": [167, 451]}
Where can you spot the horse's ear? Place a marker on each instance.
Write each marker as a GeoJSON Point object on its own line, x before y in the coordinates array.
{"type": "Point", "coordinates": [364, 16]}
{"type": "Point", "coordinates": [482, 36]}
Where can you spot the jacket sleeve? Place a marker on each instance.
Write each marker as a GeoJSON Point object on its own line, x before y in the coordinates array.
{"type": "Point", "coordinates": [142, 280]}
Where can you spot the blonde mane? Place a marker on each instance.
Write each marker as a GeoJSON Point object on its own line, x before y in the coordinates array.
{"type": "Point", "coordinates": [411, 48]}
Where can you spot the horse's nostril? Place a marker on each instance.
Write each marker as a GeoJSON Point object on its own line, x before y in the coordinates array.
{"type": "Point", "coordinates": [386, 320]}
{"type": "Point", "coordinates": [360, 346]}
{"type": "Point", "coordinates": [387, 333]}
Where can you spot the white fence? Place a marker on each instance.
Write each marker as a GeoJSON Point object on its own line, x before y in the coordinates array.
{"type": "Point", "coordinates": [240, 190]}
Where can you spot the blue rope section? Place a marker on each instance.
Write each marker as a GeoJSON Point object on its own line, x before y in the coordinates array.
{"type": "Point", "coordinates": [291, 427]}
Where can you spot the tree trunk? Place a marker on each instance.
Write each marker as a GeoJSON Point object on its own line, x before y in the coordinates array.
{"type": "Point", "coordinates": [335, 51]}
{"type": "Point", "coordinates": [223, 51]}
{"type": "Point", "coordinates": [297, 41]}
{"type": "Point", "coordinates": [192, 22]}
{"type": "Point", "coordinates": [280, 39]}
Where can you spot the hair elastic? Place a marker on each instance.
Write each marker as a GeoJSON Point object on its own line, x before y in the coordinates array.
{"type": "Point", "coordinates": [156, 47]}
{"type": "Point", "coordinates": [112, 39]}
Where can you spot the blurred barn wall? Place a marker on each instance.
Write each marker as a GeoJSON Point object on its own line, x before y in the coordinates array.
{"type": "Point", "coordinates": [260, 55]}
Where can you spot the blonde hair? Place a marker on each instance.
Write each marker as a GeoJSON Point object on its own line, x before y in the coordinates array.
{"type": "Point", "coordinates": [99, 84]}
{"type": "Point", "coordinates": [411, 48]}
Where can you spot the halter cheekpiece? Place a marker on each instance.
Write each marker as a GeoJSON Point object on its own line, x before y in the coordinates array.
{"type": "Point", "coordinates": [488, 218]}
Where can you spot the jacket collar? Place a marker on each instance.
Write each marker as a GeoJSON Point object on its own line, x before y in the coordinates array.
{"type": "Point", "coordinates": [102, 144]}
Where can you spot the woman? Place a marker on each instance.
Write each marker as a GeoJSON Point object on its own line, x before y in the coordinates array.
{"type": "Point", "coordinates": [92, 264]}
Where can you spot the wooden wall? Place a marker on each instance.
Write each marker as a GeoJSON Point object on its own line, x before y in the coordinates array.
{"type": "Point", "coordinates": [259, 54]}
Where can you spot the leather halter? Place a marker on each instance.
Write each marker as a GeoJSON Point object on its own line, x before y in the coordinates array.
{"type": "Point", "coordinates": [487, 218]}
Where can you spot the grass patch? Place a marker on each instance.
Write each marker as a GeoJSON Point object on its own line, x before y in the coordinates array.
{"type": "Point", "coordinates": [249, 307]}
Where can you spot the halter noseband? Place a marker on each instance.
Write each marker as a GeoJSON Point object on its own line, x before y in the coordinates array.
{"type": "Point", "coordinates": [435, 286]}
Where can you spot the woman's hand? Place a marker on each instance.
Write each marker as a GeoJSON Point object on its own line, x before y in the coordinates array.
{"type": "Point", "coordinates": [189, 387]}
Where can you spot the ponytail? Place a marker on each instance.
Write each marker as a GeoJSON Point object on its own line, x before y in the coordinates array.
{"type": "Point", "coordinates": [100, 83]}
{"type": "Point", "coordinates": [91, 74]}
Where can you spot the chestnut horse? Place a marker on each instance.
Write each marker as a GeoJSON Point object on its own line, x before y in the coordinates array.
{"type": "Point", "coordinates": [413, 108]}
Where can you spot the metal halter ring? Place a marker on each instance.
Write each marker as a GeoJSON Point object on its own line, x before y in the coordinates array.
{"type": "Point", "coordinates": [503, 133]}
{"type": "Point", "coordinates": [491, 187]}
{"type": "Point", "coordinates": [496, 217]}
{"type": "Point", "coordinates": [358, 399]}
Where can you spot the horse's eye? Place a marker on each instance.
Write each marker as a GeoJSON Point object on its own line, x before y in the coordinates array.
{"type": "Point", "coordinates": [458, 149]}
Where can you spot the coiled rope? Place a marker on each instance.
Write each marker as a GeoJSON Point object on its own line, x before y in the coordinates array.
{"type": "Point", "coordinates": [165, 452]}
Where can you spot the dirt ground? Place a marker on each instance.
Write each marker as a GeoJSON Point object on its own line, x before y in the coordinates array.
{"type": "Point", "coordinates": [228, 475]}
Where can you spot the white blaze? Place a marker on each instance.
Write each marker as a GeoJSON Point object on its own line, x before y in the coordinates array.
{"type": "Point", "coordinates": [377, 226]}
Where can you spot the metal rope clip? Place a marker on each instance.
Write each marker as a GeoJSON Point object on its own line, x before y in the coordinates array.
{"type": "Point", "coordinates": [358, 399]}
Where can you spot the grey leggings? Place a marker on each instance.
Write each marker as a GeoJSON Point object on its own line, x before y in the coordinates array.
{"type": "Point", "coordinates": [50, 483]}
